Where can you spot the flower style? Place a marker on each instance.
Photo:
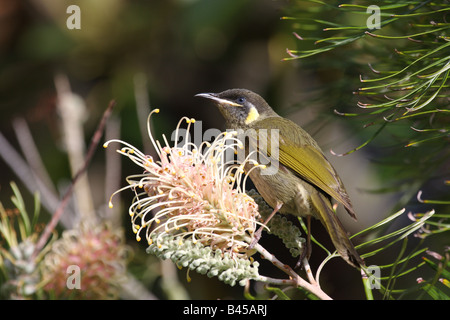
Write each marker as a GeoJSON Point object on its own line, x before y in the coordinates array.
{"type": "Point", "coordinates": [193, 191]}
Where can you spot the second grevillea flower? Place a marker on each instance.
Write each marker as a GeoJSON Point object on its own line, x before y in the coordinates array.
{"type": "Point", "coordinates": [193, 191]}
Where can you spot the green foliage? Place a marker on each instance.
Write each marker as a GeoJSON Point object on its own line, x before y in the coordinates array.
{"type": "Point", "coordinates": [402, 99]}
{"type": "Point", "coordinates": [439, 286]}
{"type": "Point", "coordinates": [407, 77]}
{"type": "Point", "coordinates": [19, 274]}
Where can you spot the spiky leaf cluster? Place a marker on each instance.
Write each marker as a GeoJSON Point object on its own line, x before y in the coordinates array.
{"type": "Point", "coordinates": [404, 60]}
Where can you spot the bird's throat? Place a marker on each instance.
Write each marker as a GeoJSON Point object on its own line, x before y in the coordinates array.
{"type": "Point", "coordinates": [253, 115]}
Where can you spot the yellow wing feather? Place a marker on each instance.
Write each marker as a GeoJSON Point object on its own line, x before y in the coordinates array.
{"type": "Point", "coordinates": [300, 153]}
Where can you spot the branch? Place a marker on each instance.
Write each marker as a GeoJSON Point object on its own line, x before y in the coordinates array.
{"type": "Point", "coordinates": [295, 279]}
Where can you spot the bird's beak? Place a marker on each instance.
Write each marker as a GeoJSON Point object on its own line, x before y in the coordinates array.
{"type": "Point", "coordinates": [214, 97]}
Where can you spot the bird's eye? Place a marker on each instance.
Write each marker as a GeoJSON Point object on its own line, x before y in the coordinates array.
{"type": "Point", "coordinates": [241, 100]}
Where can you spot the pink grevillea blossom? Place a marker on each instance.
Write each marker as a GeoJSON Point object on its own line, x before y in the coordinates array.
{"type": "Point", "coordinates": [193, 191]}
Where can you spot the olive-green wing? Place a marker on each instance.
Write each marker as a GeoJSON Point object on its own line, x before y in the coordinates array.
{"type": "Point", "coordinates": [300, 153]}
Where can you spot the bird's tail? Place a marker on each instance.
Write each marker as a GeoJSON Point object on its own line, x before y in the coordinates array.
{"type": "Point", "coordinates": [336, 231]}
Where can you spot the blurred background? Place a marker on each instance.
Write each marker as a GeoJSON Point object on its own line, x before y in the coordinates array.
{"type": "Point", "coordinates": [159, 54]}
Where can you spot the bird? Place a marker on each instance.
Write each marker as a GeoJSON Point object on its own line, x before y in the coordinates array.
{"type": "Point", "coordinates": [305, 182]}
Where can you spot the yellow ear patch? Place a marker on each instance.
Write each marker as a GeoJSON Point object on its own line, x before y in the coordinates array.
{"type": "Point", "coordinates": [252, 115]}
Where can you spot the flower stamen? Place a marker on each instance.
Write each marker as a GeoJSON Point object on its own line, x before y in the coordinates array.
{"type": "Point", "coordinates": [193, 191]}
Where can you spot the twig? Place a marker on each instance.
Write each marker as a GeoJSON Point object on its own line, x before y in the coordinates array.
{"type": "Point", "coordinates": [295, 279]}
{"type": "Point", "coordinates": [309, 272]}
{"type": "Point", "coordinates": [31, 153]}
{"type": "Point", "coordinates": [23, 171]}
{"type": "Point", "coordinates": [38, 172]}
{"type": "Point", "coordinates": [56, 216]}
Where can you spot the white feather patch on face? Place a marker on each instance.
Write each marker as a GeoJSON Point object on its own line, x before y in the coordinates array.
{"type": "Point", "coordinates": [252, 115]}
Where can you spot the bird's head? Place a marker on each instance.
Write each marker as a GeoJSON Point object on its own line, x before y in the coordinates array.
{"type": "Point", "coordinates": [240, 107]}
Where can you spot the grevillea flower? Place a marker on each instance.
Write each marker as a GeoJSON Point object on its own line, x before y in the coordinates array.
{"type": "Point", "coordinates": [97, 251]}
{"type": "Point", "coordinates": [193, 191]}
